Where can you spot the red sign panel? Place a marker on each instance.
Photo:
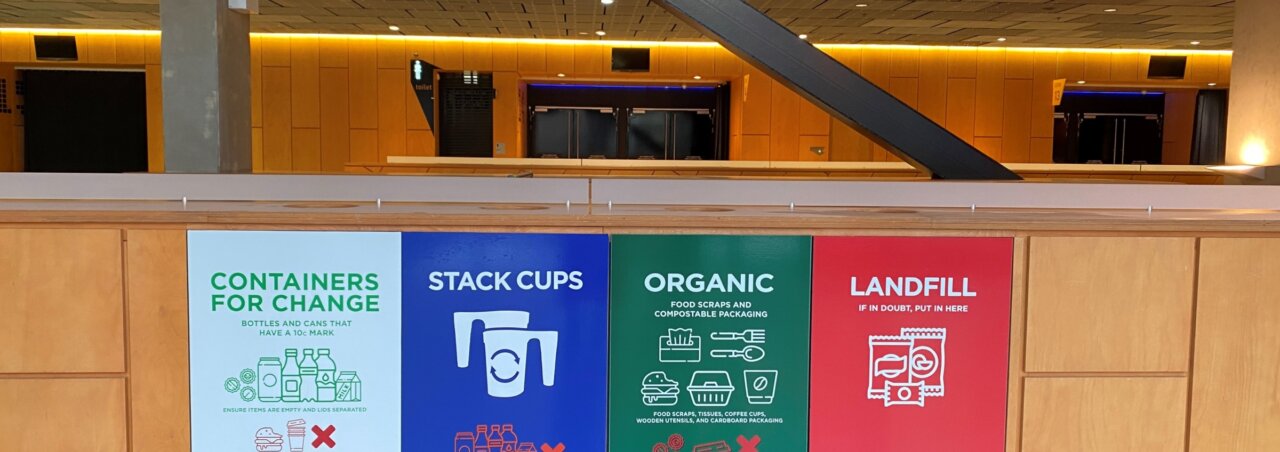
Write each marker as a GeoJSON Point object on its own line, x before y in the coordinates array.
{"type": "Point", "coordinates": [910, 344]}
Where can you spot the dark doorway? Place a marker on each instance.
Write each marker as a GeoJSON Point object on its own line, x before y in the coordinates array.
{"type": "Point", "coordinates": [643, 122]}
{"type": "Point", "coordinates": [85, 121]}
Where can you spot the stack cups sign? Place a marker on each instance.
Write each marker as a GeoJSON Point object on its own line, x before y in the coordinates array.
{"type": "Point", "coordinates": [910, 343]}
{"type": "Point", "coordinates": [505, 342]}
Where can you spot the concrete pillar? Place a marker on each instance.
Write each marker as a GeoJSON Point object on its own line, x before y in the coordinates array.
{"type": "Point", "coordinates": [1253, 120]}
{"type": "Point", "coordinates": [205, 62]}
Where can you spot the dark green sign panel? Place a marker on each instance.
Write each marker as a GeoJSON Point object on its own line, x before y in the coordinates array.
{"type": "Point", "coordinates": [709, 343]}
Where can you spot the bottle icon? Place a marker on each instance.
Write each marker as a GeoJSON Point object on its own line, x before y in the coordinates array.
{"type": "Point", "coordinates": [509, 439]}
{"type": "Point", "coordinates": [495, 438]}
{"type": "Point", "coordinates": [482, 439]}
{"type": "Point", "coordinates": [269, 379]}
{"type": "Point", "coordinates": [291, 376]}
{"type": "Point", "coordinates": [326, 376]}
{"type": "Point", "coordinates": [308, 367]}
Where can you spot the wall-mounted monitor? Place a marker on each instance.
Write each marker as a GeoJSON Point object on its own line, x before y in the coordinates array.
{"type": "Point", "coordinates": [1167, 67]}
{"type": "Point", "coordinates": [630, 60]}
{"type": "Point", "coordinates": [56, 48]}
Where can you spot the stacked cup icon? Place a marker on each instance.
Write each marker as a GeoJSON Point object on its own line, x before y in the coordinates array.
{"type": "Point", "coordinates": [506, 349]}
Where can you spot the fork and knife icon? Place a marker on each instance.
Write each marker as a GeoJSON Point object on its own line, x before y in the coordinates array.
{"type": "Point", "coordinates": [750, 353]}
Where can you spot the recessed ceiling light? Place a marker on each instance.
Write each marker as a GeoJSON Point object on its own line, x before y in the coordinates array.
{"type": "Point", "coordinates": [560, 74]}
{"type": "Point", "coordinates": [600, 33]}
{"type": "Point", "coordinates": [1080, 82]}
{"type": "Point", "coordinates": [803, 36]}
{"type": "Point", "coordinates": [583, 33]}
{"type": "Point", "coordinates": [394, 28]}
{"type": "Point", "coordinates": [1195, 43]}
{"type": "Point", "coordinates": [697, 77]}
{"type": "Point", "coordinates": [1213, 84]}
{"type": "Point", "coordinates": [1109, 10]}
{"type": "Point", "coordinates": [1002, 39]}
{"type": "Point", "coordinates": [607, 2]}
{"type": "Point", "coordinates": [860, 5]}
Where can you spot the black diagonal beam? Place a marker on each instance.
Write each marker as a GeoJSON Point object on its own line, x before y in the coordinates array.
{"type": "Point", "coordinates": [827, 83]}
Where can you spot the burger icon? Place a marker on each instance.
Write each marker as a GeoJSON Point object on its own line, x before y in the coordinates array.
{"type": "Point", "coordinates": [268, 440]}
{"type": "Point", "coordinates": [658, 390]}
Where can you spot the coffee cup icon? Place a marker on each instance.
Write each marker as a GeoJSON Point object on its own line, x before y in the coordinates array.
{"type": "Point", "coordinates": [506, 344]}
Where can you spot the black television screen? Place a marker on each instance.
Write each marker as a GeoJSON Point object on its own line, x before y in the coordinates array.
{"type": "Point", "coordinates": [631, 60]}
{"type": "Point", "coordinates": [1171, 67]}
{"type": "Point", "coordinates": [56, 48]}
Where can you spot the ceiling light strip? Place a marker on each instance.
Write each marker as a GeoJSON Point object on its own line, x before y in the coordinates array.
{"type": "Point", "coordinates": [619, 43]}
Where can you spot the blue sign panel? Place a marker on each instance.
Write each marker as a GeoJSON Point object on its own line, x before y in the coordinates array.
{"type": "Point", "coordinates": [505, 342]}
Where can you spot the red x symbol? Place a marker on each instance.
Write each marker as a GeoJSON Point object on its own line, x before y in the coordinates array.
{"type": "Point", "coordinates": [323, 436]}
{"type": "Point", "coordinates": [548, 448]}
{"type": "Point", "coordinates": [748, 445]}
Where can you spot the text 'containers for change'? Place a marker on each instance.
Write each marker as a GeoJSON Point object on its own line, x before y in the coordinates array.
{"type": "Point", "coordinates": [910, 343]}
{"type": "Point", "coordinates": [505, 342]}
{"type": "Point", "coordinates": [294, 340]}
{"type": "Point", "coordinates": [709, 343]}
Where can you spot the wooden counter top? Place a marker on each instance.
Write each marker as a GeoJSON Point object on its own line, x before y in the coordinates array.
{"type": "Point", "coordinates": [632, 218]}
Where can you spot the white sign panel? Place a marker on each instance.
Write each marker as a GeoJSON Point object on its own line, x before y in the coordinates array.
{"type": "Point", "coordinates": [295, 341]}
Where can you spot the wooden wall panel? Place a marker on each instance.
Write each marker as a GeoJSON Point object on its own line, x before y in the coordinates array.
{"type": "Point", "coordinates": [1179, 128]}
{"type": "Point", "coordinates": [1104, 414]}
{"type": "Point", "coordinates": [158, 362]}
{"type": "Point", "coordinates": [277, 119]}
{"type": "Point", "coordinates": [508, 120]}
{"type": "Point", "coordinates": [364, 84]}
{"type": "Point", "coordinates": [391, 112]}
{"type": "Point", "coordinates": [304, 70]}
{"type": "Point", "coordinates": [334, 52]}
{"type": "Point", "coordinates": [757, 103]}
{"type": "Point", "coordinates": [961, 107]}
{"type": "Point", "coordinates": [1016, 131]}
{"type": "Point", "coordinates": [449, 56]}
{"type": "Point", "coordinates": [477, 56]}
{"type": "Point", "coordinates": [306, 150]}
{"type": "Point", "coordinates": [1237, 368]}
{"type": "Point", "coordinates": [62, 301]}
{"type": "Point", "coordinates": [784, 124]}
{"type": "Point", "coordinates": [989, 112]}
{"type": "Point", "coordinates": [64, 414]}
{"type": "Point", "coordinates": [335, 118]}
{"type": "Point", "coordinates": [1110, 304]}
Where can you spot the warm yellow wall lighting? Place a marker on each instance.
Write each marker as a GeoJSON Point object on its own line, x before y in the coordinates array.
{"type": "Point", "coordinates": [617, 43]}
{"type": "Point", "coordinates": [1254, 152]}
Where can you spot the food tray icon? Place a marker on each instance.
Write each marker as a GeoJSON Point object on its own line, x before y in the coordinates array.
{"type": "Point", "coordinates": [710, 388]}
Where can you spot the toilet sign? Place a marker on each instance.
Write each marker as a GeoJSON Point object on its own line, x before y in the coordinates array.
{"type": "Point", "coordinates": [709, 343]}
{"type": "Point", "coordinates": [910, 343]}
{"type": "Point", "coordinates": [294, 341]}
{"type": "Point", "coordinates": [504, 344]}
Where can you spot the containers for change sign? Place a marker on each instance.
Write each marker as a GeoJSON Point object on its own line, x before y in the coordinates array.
{"type": "Point", "coordinates": [505, 342]}
{"type": "Point", "coordinates": [294, 341]}
{"type": "Point", "coordinates": [710, 343]}
{"type": "Point", "coordinates": [910, 343]}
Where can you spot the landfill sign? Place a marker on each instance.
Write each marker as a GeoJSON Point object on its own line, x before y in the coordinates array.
{"type": "Point", "coordinates": [910, 343]}
{"type": "Point", "coordinates": [709, 343]}
{"type": "Point", "coordinates": [294, 341]}
{"type": "Point", "coordinates": [505, 342]}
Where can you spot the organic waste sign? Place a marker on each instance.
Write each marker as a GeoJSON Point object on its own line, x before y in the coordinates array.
{"type": "Point", "coordinates": [505, 342]}
{"type": "Point", "coordinates": [709, 343]}
{"type": "Point", "coordinates": [910, 343]}
{"type": "Point", "coordinates": [294, 341]}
